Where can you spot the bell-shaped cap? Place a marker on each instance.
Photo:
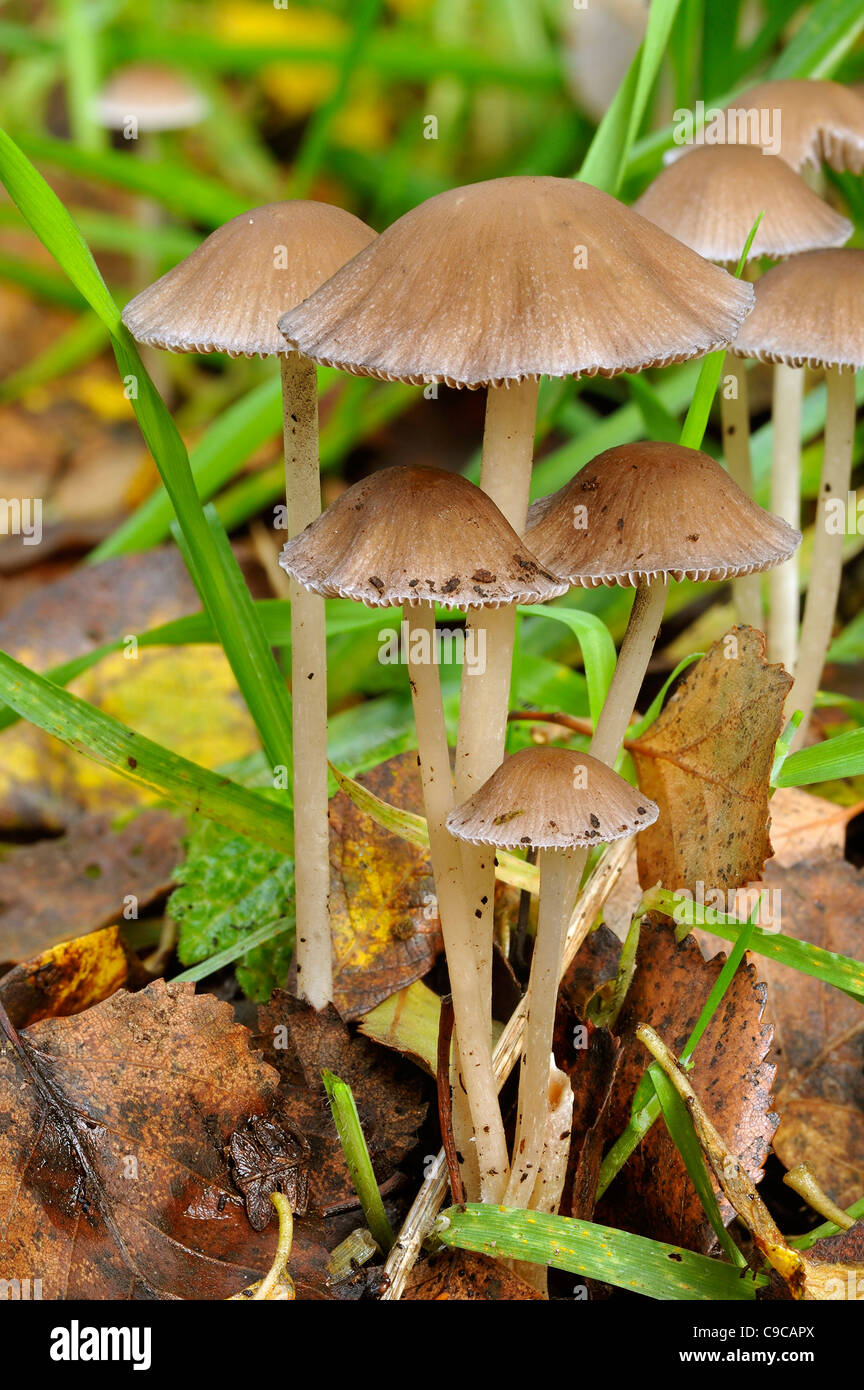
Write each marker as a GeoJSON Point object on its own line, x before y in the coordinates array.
{"type": "Point", "coordinates": [551, 798]}
{"type": "Point", "coordinates": [417, 535]}
{"type": "Point", "coordinates": [711, 197]}
{"type": "Point", "coordinates": [513, 279]}
{"type": "Point", "coordinates": [814, 122]}
{"type": "Point", "coordinates": [228, 294]}
{"type": "Point", "coordinates": [809, 310]}
{"type": "Point", "coordinates": [155, 98]}
{"type": "Point", "coordinates": [642, 511]}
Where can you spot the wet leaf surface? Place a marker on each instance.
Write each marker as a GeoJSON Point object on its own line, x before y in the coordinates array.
{"type": "Point", "coordinates": [90, 877]}
{"type": "Point", "coordinates": [69, 978]}
{"type": "Point", "coordinates": [706, 761]}
{"type": "Point", "coordinates": [389, 1093]}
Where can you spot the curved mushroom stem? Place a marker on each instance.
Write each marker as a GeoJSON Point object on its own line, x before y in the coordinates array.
{"type": "Point", "coordinates": [309, 693]}
{"type": "Point", "coordinates": [827, 562]}
{"type": "Point", "coordinates": [735, 421]}
{"type": "Point", "coordinates": [505, 475]}
{"type": "Point", "coordinates": [646, 616]}
{"type": "Point", "coordinates": [470, 1009]}
{"type": "Point", "coordinates": [560, 876]}
{"type": "Point", "coordinates": [785, 502]}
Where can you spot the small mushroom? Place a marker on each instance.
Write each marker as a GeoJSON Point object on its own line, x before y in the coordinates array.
{"type": "Point", "coordinates": [415, 536]}
{"type": "Point", "coordinates": [226, 297]}
{"type": "Point", "coordinates": [710, 198]}
{"type": "Point", "coordinates": [560, 803]}
{"type": "Point", "coordinates": [809, 312]}
{"type": "Point", "coordinates": [683, 517]}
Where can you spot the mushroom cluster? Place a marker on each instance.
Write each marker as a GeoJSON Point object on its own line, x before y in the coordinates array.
{"type": "Point", "coordinates": [493, 286]}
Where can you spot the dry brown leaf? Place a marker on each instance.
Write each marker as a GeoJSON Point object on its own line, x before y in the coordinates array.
{"type": "Point", "coordinates": [300, 1043]}
{"type": "Point", "coordinates": [461, 1275]}
{"type": "Point", "coordinates": [706, 761]}
{"type": "Point", "coordinates": [810, 1277]}
{"type": "Point", "coordinates": [57, 889]}
{"type": "Point", "coordinates": [653, 1195]}
{"type": "Point", "coordinates": [113, 1179]}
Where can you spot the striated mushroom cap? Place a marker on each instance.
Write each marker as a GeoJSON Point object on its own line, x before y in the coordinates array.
{"type": "Point", "coordinates": [551, 798]}
{"type": "Point", "coordinates": [809, 310]}
{"type": "Point", "coordinates": [641, 511]}
{"type": "Point", "coordinates": [228, 294]}
{"type": "Point", "coordinates": [711, 197]}
{"type": "Point", "coordinates": [417, 535]}
{"type": "Point", "coordinates": [820, 121]}
{"type": "Point", "coordinates": [516, 278]}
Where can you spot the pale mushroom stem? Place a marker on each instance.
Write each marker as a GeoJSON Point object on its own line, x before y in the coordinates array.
{"type": "Point", "coordinates": [560, 877]}
{"type": "Point", "coordinates": [505, 475]}
{"type": "Point", "coordinates": [827, 560]}
{"type": "Point", "coordinates": [786, 502]}
{"type": "Point", "coordinates": [470, 1009]}
{"type": "Point", "coordinates": [646, 616]}
{"type": "Point", "coordinates": [309, 693]}
{"type": "Point", "coordinates": [735, 419]}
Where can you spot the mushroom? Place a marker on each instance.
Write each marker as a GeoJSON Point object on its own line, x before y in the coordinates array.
{"type": "Point", "coordinates": [635, 516]}
{"type": "Point", "coordinates": [417, 537]}
{"type": "Point", "coordinates": [809, 312]}
{"type": "Point", "coordinates": [226, 297]}
{"type": "Point", "coordinates": [710, 198]}
{"type": "Point", "coordinates": [820, 122]}
{"type": "Point", "coordinates": [560, 803]}
{"type": "Point", "coordinates": [493, 285]}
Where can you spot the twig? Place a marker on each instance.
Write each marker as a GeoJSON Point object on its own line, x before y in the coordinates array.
{"type": "Point", "coordinates": [566, 721]}
{"type": "Point", "coordinates": [426, 1204]}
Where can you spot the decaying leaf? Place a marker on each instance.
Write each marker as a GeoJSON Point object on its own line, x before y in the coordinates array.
{"type": "Point", "coordinates": [653, 1195]}
{"type": "Point", "coordinates": [706, 761]}
{"type": "Point", "coordinates": [811, 1278]}
{"type": "Point", "coordinates": [113, 1182]}
{"type": "Point", "coordinates": [268, 1158]}
{"type": "Point", "coordinates": [467, 1277]}
{"type": "Point", "coordinates": [386, 930]}
{"type": "Point", "coordinates": [57, 889]}
{"type": "Point", "coordinates": [185, 698]}
{"type": "Point", "coordinates": [300, 1043]}
{"type": "Point", "coordinates": [67, 979]}
{"type": "Point", "coordinates": [819, 1040]}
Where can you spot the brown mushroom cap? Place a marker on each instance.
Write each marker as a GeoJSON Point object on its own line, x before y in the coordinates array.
{"type": "Point", "coordinates": [513, 279]}
{"type": "Point", "coordinates": [228, 294]}
{"type": "Point", "coordinates": [417, 535]}
{"type": "Point", "coordinates": [809, 310]}
{"type": "Point", "coordinates": [654, 509]}
{"type": "Point", "coordinates": [820, 122]}
{"type": "Point", "coordinates": [711, 197]}
{"type": "Point", "coordinates": [551, 798]}
{"type": "Point", "coordinates": [158, 99]}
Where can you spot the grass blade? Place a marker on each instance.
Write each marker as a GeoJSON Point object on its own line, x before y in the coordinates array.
{"type": "Point", "coordinates": [245, 646]}
{"type": "Point", "coordinates": [140, 760]}
{"type": "Point", "coordinates": [595, 641]}
{"type": "Point", "coordinates": [356, 1153]}
{"type": "Point", "coordinates": [649, 1267]}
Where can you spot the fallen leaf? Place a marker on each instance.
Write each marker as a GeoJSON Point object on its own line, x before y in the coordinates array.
{"type": "Point", "coordinates": [819, 1031]}
{"type": "Point", "coordinates": [113, 1182]}
{"type": "Point", "coordinates": [268, 1158]}
{"type": "Point", "coordinates": [68, 979]}
{"type": "Point", "coordinates": [93, 875]}
{"type": "Point", "coordinates": [808, 1277]}
{"type": "Point", "coordinates": [383, 912]}
{"type": "Point", "coordinates": [461, 1275]}
{"type": "Point", "coordinates": [300, 1043]}
{"type": "Point", "coordinates": [185, 698]}
{"type": "Point", "coordinates": [652, 1195]}
{"type": "Point", "coordinates": [706, 761]}
{"type": "Point", "coordinates": [804, 826]}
